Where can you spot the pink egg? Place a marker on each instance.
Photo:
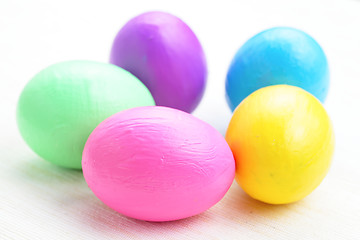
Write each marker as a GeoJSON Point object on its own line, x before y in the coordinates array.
{"type": "Point", "coordinates": [157, 164]}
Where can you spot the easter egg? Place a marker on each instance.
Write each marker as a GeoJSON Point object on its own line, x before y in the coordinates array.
{"type": "Point", "coordinates": [282, 140]}
{"type": "Point", "coordinates": [164, 53]}
{"type": "Point", "coordinates": [157, 164]}
{"type": "Point", "coordinates": [278, 55]}
{"type": "Point", "coordinates": [62, 104]}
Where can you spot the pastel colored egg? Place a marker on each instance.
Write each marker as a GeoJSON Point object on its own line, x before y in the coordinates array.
{"type": "Point", "coordinates": [282, 140]}
{"type": "Point", "coordinates": [62, 104]}
{"type": "Point", "coordinates": [157, 164]}
{"type": "Point", "coordinates": [164, 53]}
{"type": "Point", "coordinates": [278, 55]}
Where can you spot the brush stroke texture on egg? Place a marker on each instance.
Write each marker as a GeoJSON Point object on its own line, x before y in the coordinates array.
{"type": "Point", "coordinates": [164, 53]}
{"type": "Point", "coordinates": [157, 164]}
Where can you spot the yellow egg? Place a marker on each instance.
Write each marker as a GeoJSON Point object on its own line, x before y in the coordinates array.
{"type": "Point", "coordinates": [282, 140]}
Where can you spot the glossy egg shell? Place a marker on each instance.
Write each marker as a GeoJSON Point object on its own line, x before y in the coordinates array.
{"type": "Point", "coordinates": [278, 55]}
{"type": "Point", "coordinates": [282, 140]}
{"type": "Point", "coordinates": [62, 105]}
{"type": "Point", "coordinates": [164, 53]}
{"type": "Point", "coordinates": [157, 164]}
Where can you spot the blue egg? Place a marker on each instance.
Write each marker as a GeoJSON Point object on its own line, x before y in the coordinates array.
{"type": "Point", "coordinates": [278, 55]}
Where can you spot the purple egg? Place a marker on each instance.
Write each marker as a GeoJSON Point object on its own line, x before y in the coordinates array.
{"type": "Point", "coordinates": [164, 53]}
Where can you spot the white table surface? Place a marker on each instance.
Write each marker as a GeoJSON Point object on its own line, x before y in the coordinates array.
{"type": "Point", "coordinates": [42, 201]}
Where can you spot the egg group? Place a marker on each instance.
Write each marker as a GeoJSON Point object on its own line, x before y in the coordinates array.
{"type": "Point", "coordinates": [280, 55]}
{"type": "Point", "coordinates": [62, 104]}
{"type": "Point", "coordinates": [164, 53]}
{"type": "Point", "coordinates": [157, 164]}
{"type": "Point", "coordinates": [282, 140]}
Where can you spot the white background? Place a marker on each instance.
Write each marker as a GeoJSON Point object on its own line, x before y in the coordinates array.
{"type": "Point", "coordinates": [42, 201]}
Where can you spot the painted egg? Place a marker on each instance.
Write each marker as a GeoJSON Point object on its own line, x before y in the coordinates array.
{"type": "Point", "coordinates": [157, 164]}
{"type": "Point", "coordinates": [282, 140]}
{"type": "Point", "coordinates": [164, 53]}
{"type": "Point", "coordinates": [62, 105]}
{"type": "Point", "coordinates": [279, 55]}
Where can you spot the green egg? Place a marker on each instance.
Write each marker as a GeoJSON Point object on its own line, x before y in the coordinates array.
{"type": "Point", "coordinates": [62, 105]}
